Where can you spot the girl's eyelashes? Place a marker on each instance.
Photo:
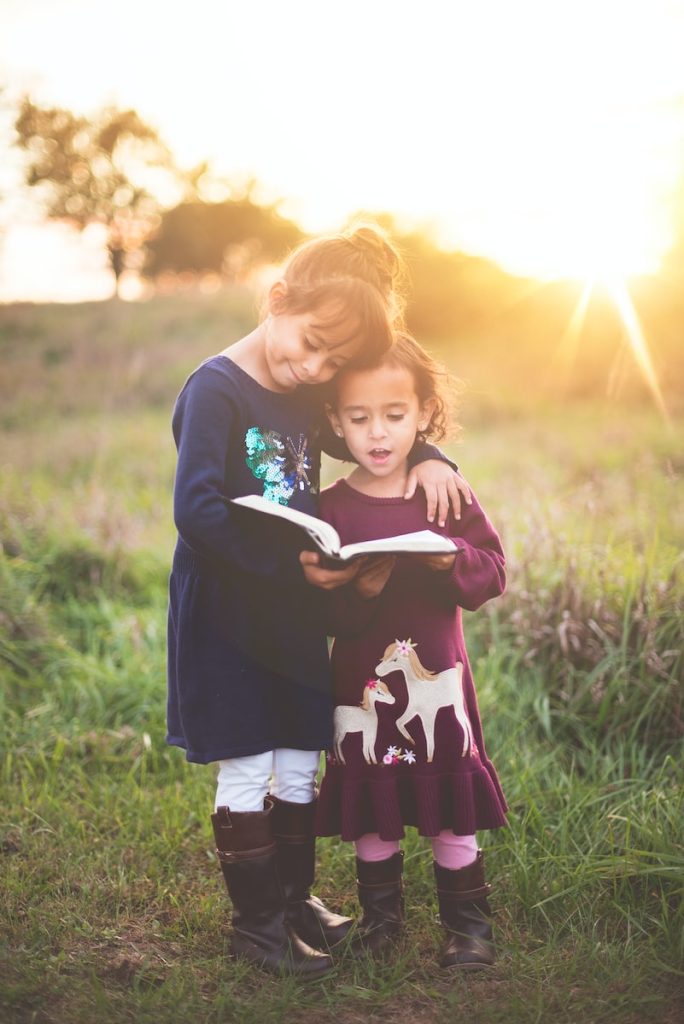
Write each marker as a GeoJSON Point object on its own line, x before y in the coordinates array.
{"type": "Point", "coordinates": [334, 363]}
{"type": "Point", "coordinates": [393, 417]}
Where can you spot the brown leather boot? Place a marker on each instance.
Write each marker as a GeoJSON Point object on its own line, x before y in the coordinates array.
{"type": "Point", "coordinates": [466, 916]}
{"type": "Point", "coordinates": [261, 933]}
{"type": "Point", "coordinates": [382, 901]}
{"type": "Point", "coordinates": [292, 829]}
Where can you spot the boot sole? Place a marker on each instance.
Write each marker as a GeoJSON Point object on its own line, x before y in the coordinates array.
{"type": "Point", "coordinates": [359, 946]}
{"type": "Point", "coordinates": [317, 939]}
{"type": "Point", "coordinates": [322, 968]}
{"type": "Point", "coordinates": [467, 968]}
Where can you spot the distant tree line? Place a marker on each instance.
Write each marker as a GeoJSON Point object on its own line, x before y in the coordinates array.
{"type": "Point", "coordinates": [107, 169]}
{"type": "Point", "coordinates": [225, 238]}
{"type": "Point", "coordinates": [111, 168]}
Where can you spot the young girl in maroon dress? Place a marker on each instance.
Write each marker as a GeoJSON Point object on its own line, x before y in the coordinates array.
{"type": "Point", "coordinates": [408, 745]}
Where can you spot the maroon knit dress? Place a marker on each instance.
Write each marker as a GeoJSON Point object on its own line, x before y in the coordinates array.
{"type": "Point", "coordinates": [408, 738]}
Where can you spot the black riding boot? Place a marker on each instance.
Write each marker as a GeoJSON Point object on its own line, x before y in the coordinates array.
{"type": "Point", "coordinates": [466, 916]}
{"type": "Point", "coordinates": [292, 829]}
{"type": "Point", "coordinates": [382, 901]}
{"type": "Point", "coordinates": [261, 933]}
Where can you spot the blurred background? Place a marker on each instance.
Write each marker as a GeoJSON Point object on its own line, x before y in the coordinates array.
{"type": "Point", "coordinates": [158, 161]}
{"type": "Point", "coordinates": [529, 159]}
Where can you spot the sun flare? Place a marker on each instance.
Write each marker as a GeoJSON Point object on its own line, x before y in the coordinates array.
{"type": "Point", "coordinates": [619, 292]}
{"type": "Point", "coordinates": [545, 137]}
{"type": "Point", "coordinates": [569, 347]}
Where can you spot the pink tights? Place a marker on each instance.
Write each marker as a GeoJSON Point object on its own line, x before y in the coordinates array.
{"type": "Point", "coordinates": [450, 851]}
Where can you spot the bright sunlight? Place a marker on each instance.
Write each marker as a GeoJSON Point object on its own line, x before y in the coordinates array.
{"type": "Point", "coordinates": [546, 137]}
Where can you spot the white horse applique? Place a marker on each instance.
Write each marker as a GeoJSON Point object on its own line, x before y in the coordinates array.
{"type": "Point", "coordinates": [427, 693]}
{"type": "Point", "coordinates": [363, 719]}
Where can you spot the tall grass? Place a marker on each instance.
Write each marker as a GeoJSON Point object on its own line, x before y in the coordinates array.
{"type": "Point", "coordinates": [111, 896]}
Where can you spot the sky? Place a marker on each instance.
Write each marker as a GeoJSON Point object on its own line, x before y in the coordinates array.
{"type": "Point", "coordinates": [548, 136]}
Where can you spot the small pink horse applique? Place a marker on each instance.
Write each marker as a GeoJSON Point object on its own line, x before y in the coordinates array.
{"type": "Point", "coordinates": [363, 719]}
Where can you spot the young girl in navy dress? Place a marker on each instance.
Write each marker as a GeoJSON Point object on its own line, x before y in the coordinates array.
{"type": "Point", "coordinates": [248, 668]}
{"type": "Point", "coordinates": [408, 746]}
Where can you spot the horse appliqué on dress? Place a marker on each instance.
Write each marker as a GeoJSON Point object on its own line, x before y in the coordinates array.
{"type": "Point", "coordinates": [427, 693]}
{"type": "Point", "coordinates": [363, 719]}
{"type": "Point", "coordinates": [283, 463]}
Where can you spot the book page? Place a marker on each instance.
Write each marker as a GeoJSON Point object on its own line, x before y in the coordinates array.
{"type": "Point", "coordinates": [422, 542]}
{"type": "Point", "coordinates": [323, 534]}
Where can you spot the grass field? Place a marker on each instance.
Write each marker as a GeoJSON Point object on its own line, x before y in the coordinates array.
{"type": "Point", "coordinates": [112, 904]}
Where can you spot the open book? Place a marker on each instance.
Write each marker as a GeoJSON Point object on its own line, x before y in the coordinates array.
{"type": "Point", "coordinates": [327, 539]}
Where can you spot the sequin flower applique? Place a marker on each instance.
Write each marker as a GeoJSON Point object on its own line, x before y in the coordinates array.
{"type": "Point", "coordinates": [283, 464]}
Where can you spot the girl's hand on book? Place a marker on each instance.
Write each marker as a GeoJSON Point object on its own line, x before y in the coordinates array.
{"type": "Point", "coordinates": [373, 575]}
{"type": "Point", "coordinates": [327, 579]}
{"type": "Point", "coordinates": [442, 488]}
{"type": "Point", "coordinates": [438, 563]}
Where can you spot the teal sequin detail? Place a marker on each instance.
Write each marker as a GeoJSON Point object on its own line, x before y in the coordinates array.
{"type": "Point", "coordinates": [283, 464]}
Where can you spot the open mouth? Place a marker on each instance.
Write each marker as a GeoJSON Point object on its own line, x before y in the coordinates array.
{"type": "Point", "coordinates": [379, 454]}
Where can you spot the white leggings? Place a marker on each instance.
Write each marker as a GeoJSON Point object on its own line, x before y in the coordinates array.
{"type": "Point", "coordinates": [243, 782]}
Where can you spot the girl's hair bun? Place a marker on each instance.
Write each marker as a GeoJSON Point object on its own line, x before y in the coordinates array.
{"type": "Point", "coordinates": [357, 273]}
{"type": "Point", "coordinates": [374, 245]}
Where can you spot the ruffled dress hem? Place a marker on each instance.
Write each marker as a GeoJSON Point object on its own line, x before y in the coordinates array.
{"type": "Point", "coordinates": [463, 802]}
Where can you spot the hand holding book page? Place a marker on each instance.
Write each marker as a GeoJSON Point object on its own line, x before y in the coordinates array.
{"type": "Point", "coordinates": [327, 539]}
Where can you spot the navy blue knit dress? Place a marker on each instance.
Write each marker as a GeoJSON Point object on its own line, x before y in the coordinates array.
{"type": "Point", "coordinates": [248, 666]}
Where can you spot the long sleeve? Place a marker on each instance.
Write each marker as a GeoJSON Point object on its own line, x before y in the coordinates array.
{"type": "Point", "coordinates": [203, 426]}
{"type": "Point", "coordinates": [479, 572]}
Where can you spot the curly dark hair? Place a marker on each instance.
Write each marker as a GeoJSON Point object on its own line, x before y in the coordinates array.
{"type": "Point", "coordinates": [432, 380]}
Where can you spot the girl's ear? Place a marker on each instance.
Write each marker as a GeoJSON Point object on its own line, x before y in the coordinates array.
{"type": "Point", "coordinates": [427, 411]}
{"type": "Point", "coordinates": [334, 419]}
{"type": "Point", "coordinates": [276, 296]}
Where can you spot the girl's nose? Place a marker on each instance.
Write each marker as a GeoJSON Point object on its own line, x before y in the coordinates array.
{"type": "Point", "coordinates": [313, 364]}
{"type": "Point", "coordinates": [377, 429]}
